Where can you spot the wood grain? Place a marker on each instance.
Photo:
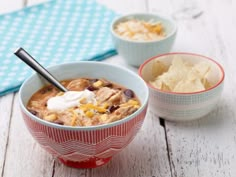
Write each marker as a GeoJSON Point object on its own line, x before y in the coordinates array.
{"type": "Point", "coordinates": [201, 148]}
{"type": "Point", "coordinates": [9, 6]}
{"type": "Point", "coordinates": [207, 147]}
{"type": "Point", "coordinates": [34, 2]}
{"type": "Point", "coordinates": [5, 119]}
{"type": "Point", "coordinates": [23, 156]}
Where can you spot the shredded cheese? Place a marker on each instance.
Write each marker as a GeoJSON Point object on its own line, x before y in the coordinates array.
{"type": "Point", "coordinates": [140, 30]}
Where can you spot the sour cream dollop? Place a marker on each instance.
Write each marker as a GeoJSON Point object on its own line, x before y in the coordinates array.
{"type": "Point", "coordinates": [70, 99]}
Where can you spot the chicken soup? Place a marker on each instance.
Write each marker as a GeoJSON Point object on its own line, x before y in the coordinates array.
{"type": "Point", "coordinates": [88, 102]}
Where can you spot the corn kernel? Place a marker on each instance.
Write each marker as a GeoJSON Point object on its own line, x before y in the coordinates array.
{"type": "Point", "coordinates": [86, 107]}
{"type": "Point", "coordinates": [89, 114]}
{"type": "Point", "coordinates": [98, 83]}
{"type": "Point", "coordinates": [83, 108]}
{"type": "Point", "coordinates": [105, 105]}
{"type": "Point", "coordinates": [100, 109]}
{"type": "Point", "coordinates": [158, 28]}
{"type": "Point", "coordinates": [104, 117]}
{"type": "Point", "coordinates": [133, 102]}
{"type": "Point", "coordinates": [50, 117]}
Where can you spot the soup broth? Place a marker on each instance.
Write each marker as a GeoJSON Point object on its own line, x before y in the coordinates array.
{"type": "Point", "coordinates": [88, 102]}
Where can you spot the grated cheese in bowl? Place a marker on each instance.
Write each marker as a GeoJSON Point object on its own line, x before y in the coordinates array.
{"type": "Point", "coordinates": [140, 30]}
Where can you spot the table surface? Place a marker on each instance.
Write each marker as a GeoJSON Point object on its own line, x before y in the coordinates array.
{"type": "Point", "coordinates": [201, 148]}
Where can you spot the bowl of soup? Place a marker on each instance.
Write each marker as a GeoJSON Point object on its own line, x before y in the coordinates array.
{"type": "Point", "coordinates": [183, 86]}
{"type": "Point", "coordinates": [87, 125]}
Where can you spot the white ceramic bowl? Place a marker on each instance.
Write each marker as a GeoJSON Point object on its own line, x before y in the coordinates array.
{"type": "Point", "coordinates": [136, 52]}
{"type": "Point", "coordinates": [85, 147]}
{"type": "Point", "coordinates": [183, 106]}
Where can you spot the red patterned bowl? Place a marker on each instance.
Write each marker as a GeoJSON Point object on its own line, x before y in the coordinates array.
{"type": "Point", "coordinates": [85, 147]}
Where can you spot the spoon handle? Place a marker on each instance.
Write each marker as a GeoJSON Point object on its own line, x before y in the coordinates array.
{"type": "Point", "coordinates": [29, 60]}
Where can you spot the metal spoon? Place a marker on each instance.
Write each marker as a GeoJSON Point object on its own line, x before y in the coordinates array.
{"type": "Point", "coordinates": [29, 60]}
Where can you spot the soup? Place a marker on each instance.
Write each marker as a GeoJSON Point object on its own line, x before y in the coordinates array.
{"type": "Point", "coordinates": [88, 102]}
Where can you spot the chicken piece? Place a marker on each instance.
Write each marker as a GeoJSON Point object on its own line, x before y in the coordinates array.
{"type": "Point", "coordinates": [86, 121]}
{"type": "Point", "coordinates": [123, 98]}
{"type": "Point", "coordinates": [66, 117]}
{"type": "Point", "coordinates": [121, 113]}
{"type": "Point", "coordinates": [104, 93]}
{"type": "Point", "coordinates": [78, 85]}
{"type": "Point", "coordinates": [115, 99]}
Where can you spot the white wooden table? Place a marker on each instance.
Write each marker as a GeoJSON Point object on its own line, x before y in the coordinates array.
{"type": "Point", "coordinates": [202, 148]}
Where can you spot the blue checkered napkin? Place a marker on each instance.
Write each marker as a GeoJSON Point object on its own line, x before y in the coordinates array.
{"type": "Point", "coordinates": [54, 32]}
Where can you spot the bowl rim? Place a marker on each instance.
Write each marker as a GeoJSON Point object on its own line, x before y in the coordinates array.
{"type": "Point", "coordinates": [88, 128]}
{"type": "Point", "coordinates": [183, 53]}
{"type": "Point", "coordinates": [173, 31]}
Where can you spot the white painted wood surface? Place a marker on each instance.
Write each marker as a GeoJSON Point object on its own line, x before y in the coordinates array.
{"type": "Point", "coordinates": [202, 148]}
{"type": "Point", "coordinates": [10, 5]}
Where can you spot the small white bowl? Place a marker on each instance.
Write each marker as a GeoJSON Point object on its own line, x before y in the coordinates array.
{"type": "Point", "coordinates": [183, 106]}
{"type": "Point", "coordinates": [136, 52]}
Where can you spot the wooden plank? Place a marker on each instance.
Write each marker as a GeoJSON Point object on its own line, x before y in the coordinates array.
{"type": "Point", "coordinates": [9, 6]}
{"type": "Point", "coordinates": [61, 170]}
{"type": "Point", "coordinates": [5, 119]}
{"type": "Point", "coordinates": [190, 33]}
{"type": "Point", "coordinates": [163, 8]}
{"type": "Point", "coordinates": [206, 147]}
{"type": "Point", "coordinates": [117, 60]}
{"type": "Point", "coordinates": [24, 156]}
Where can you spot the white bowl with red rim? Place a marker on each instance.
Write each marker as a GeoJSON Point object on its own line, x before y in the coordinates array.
{"type": "Point", "coordinates": [85, 147]}
{"type": "Point", "coordinates": [176, 106]}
